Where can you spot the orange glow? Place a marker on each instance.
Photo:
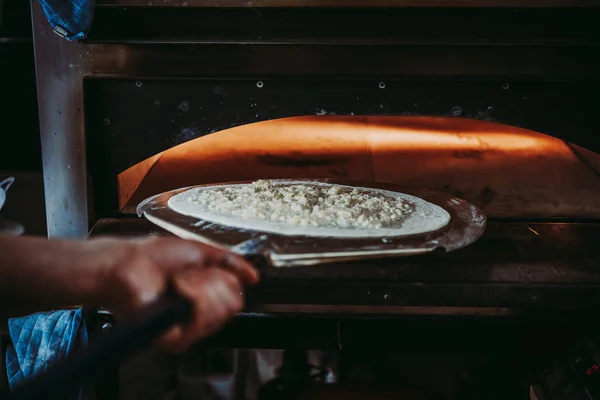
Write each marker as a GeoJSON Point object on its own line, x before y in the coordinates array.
{"type": "Point", "coordinates": [507, 171]}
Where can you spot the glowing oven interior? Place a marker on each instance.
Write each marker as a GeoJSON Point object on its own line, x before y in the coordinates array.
{"type": "Point", "coordinates": [507, 171]}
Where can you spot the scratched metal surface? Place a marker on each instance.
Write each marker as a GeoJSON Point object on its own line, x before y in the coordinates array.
{"type": "Point", "coordinates": [523, 264]}
{"type": "Point", "coordinates": [522, 252]}
{"type": "Point", "coordinates": [550, 65]}
{"type": "Point", "coordinates": [467, 224]}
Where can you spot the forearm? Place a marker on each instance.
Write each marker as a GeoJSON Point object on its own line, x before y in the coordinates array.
{"type": "Point", "coordinates": [37, 274]}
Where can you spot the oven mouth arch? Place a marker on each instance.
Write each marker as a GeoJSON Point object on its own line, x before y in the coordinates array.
{"type": "Point", "coordinates": [509, 172]}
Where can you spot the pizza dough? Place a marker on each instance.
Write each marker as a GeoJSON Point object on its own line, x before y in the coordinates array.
{"type": "Point", "coordinates": [304, 208]}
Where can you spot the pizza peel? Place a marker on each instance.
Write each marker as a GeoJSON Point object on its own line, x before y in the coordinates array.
{"type": "Point", "coordinates": [466, 225]}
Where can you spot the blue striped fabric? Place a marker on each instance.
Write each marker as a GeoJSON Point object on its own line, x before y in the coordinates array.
{"type": "Point", "coordinates": [71, 19]}
{"type": "Point", "coordinates": [42, 340]}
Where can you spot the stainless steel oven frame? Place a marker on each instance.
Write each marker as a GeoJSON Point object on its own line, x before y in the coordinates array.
{"type": "Point", "coordinates": [128, 40]}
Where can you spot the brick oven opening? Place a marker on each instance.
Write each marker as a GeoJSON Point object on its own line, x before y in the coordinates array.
{"type": "Point", "coordinates": [509, 172]}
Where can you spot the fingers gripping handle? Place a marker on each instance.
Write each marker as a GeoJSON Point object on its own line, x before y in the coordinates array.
{"type": "Point", "coordinates": [123, 340]}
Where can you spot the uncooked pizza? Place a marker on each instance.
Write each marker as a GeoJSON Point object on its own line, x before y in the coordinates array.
{"type": "Point", "coordinates": [305, 208]}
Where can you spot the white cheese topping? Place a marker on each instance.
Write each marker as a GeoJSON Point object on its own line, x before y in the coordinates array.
{"type": "Point", "coordinates": [304, 208]}
{"type": "Point", "coordinates": [306, 205]}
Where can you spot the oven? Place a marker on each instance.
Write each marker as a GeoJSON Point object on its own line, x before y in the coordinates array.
{"type": "Point", "coordinates": [494, 102]}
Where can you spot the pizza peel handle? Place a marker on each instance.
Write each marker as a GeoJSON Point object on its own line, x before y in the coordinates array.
{"type": "Point", "coordinates": [63, 380]}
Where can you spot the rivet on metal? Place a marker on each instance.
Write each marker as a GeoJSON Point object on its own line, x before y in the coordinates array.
{"type": "Point", "coordinates": [259, 84]}
{"type": "Point", "coordinates": [381, 85]}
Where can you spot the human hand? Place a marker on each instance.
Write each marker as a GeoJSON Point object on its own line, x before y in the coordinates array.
{"type": "Point", "coordinates": [136, 273]}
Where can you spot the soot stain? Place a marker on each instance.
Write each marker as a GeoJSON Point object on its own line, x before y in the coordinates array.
{"type": "Point", "coordinates": [486, 195]}
{"type": "Point", "coordinates": [472, 154]}
{"type": "Point", "coordinates": [299, 160]}
{"type": "Point", "coordinates": [340, 171]}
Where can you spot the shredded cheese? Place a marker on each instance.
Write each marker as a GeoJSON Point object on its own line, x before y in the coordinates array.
{"type": "Point", "coordinates": [330, 206]}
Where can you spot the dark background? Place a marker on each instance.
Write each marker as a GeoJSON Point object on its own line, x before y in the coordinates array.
{"type": "Point", "coordinates": [20, 143]}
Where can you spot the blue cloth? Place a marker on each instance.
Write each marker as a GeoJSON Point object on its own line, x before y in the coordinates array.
{"type": "Point", "coordinates": [71, 19]}
{"type": "Point", "coordinates": [41, 340]}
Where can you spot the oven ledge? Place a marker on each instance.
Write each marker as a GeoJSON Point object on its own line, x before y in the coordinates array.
{"type": "Point", "coordinates": [516, 268]}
